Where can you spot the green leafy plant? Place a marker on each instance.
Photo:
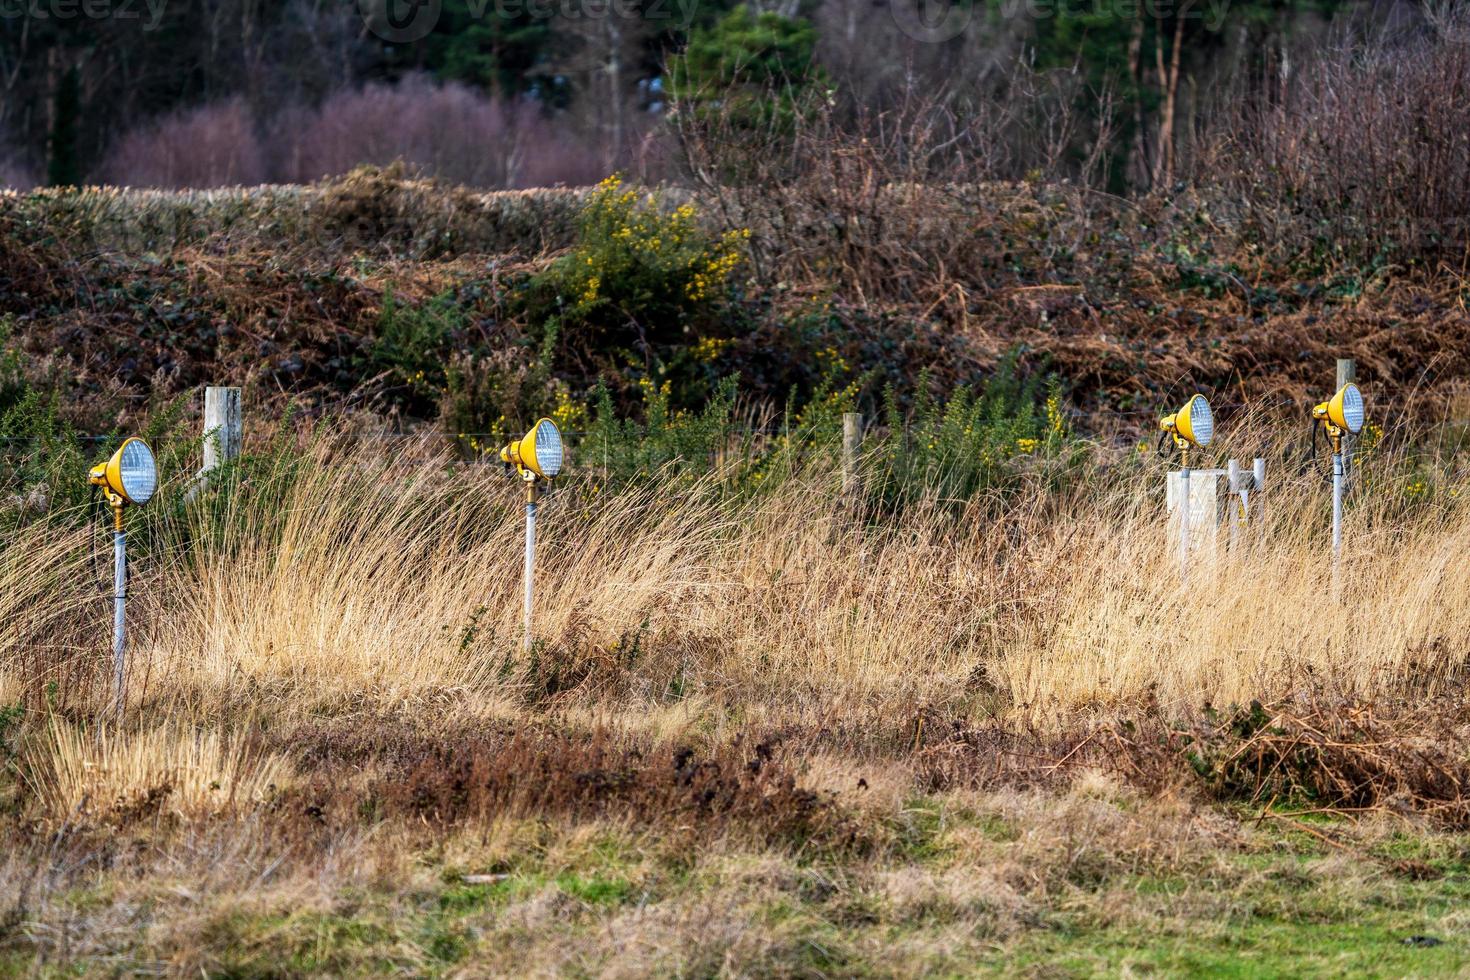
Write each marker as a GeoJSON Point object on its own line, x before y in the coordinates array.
{"type": "Point", "coordinates": [641, 279]}
{"type": "Point", "coordinates": [665, 441]}
{"type": "Point", "coordinates": [978, 440]}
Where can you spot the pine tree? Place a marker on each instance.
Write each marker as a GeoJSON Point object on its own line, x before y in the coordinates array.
{"type": "Point", "coordinates": [64, 167]}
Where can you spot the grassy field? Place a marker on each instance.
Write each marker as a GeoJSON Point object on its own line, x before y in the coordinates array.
{"type": "Point", "coordinates": [965, 717]}
{"type": "Point", "coordinates": [764, 730]}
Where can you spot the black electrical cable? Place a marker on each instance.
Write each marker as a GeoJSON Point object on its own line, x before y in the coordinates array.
{"type": "Point", "coordinates": [93, 515]}
{"type": "Point", "coordinates": [1312, 463]}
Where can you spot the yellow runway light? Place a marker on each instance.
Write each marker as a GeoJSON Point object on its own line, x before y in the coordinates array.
{"type": "Point", "coordinates": [538, 452]}
{"type": "Point", "coordinates": [1343, 411]}
{"type": "Point", "coordinates": [1340, 414]}
{"type": "Point", "coordinates": [130, 477]}
{"type": "Point", "coordinates": [1193, 425]}
{"type": "Point", "coordinates": [536, 456]}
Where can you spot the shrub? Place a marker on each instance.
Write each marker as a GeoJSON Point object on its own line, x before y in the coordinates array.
{"type": "Point", "coordinates": [665, 441]}
{"type": "Point", "coordinates": [210, 146]}
{"type": "Point", "coordinates": [1362, 158]}
{"type": "Point", "coordinates": [981, 440]}
{"type": "Point", "coordinates": [641, 280]}
{"type": "Point", "coordinates": [448, 131]}
{"type": "Point", "coordinates": [997, 438]}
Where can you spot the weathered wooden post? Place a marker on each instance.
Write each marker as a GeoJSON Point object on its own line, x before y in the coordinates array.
{"type": "Point", "coordinates": [224, 426]}
{"type": "Point", "coordinates": [224, 432]}
{"type": "Point", "coordinates": [852, 442]}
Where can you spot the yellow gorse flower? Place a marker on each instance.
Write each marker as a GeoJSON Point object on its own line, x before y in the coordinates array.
{"type": "Point", "coordinates": [628, 236]}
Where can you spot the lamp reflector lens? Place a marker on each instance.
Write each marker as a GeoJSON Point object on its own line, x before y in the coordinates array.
{"type": "Point", "coordinates": [1201, 420]}
{"type": "Point", "coordinates": [138, 471]}
{"type": "Point", "coordinates": [548, 448]}
{"type": "Point", "coordinates": [1352, 408]}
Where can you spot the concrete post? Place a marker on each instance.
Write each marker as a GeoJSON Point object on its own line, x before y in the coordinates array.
{"type": "Point", "coordinates": [224, 433]}
{"type": "Point", "coordinates": [852, 442]}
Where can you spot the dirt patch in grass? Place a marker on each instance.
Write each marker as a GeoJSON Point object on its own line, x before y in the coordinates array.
{"type": "Point", "coordinates": [746, 785]}
{"type": "Point", "coordinates": [1345, 755]}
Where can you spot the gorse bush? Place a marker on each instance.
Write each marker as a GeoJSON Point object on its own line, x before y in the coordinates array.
{"type": "Point", "coordinates": [38, 449]}
{"type": "Point", "coordinates": [996, 438]}
{"type": "Point", "coordinates": [981, 440]}
{"type": "Point", "coordinates": [411, 345]}
{"type": "Point", "coordinates": [429, 362]}
{"type": "Point", "coordinates": [640, 280]}
{"type": "Point", "coordinates": [667, 442]}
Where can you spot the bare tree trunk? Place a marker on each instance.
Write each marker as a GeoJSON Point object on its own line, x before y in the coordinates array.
{"type": "Point", "coordinates": [1164, 164]}
{"type": "Point", "coordinates": [614, 86]}
{"type": "Point", "coordinates": [1138, 163]}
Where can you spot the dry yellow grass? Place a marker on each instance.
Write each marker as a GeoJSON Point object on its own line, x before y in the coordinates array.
{"type": "Point", "coordinates": [401, 584]}
{"type": "Point", "coordinates": [183, 770]}
{"type": "Point", "coordinates": [326, 643]}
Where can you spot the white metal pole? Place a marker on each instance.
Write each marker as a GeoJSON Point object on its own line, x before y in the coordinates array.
{"type": "Point", "coordinates": [1336, 506]}
{"type": "Point", "coordinates": [530, 565]}
{"type": "Point", "coordinates": [1258, 470]}
{"type": "Point", "coordinates": [1184, 508]}
{"type": "Point", "coordinates": [1336, 523]}
{"type": "Point", "coordinates": [1237, 515]}
{"type": "Point", "coordinates": [119, 599]}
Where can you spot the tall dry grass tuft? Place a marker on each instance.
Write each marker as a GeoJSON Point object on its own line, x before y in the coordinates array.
{"type": "Point", "coordinates": [40, 607]}
{"type": "Point", "coordinates": [1120, 621]}
{"type": "Point", "coordinates": [172, 768]}
{"type": "Point", "coordinates": [359, 583]}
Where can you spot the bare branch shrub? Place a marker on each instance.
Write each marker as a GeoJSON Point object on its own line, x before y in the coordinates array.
{"type": "Point", "coordinates": [211, 146]}
{"type": "Point", "coordinates": [451, 132]}
{"type": "Point", "coordinates": [448, 131]}
{"type": "Point", "coordinates": [1363, 154]}
{"type": "Point", "coordinates": [901, 203]}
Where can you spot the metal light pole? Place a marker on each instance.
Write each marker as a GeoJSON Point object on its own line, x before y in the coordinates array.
{"type": "Point", "coordinates": [535, 457]}
{"type": "Point", "coordinates": [119, 603]}
{"type": "Point", "coordinates": [1340, 416]}
{"type": "Point", "coordinates": [1337, 483]}
{"type": "Point", "coordinates": [1192, 427]}
{"type": "Point", "coordinates": [1184, 514]}
{"type": "Point", "coordinates": [129, 478]}
{"type": "Point", "coordinates": [531, 494]}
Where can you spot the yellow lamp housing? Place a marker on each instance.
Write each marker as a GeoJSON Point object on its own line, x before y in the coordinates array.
{"type": "Point", "coordinates": [1192, 425]}
{"type": "Point", "coordinates": [1343, 411]}
{"type": "Point", "coordinates": [130, 476]}
{"type": "Point", "coordinates": [538, 453]}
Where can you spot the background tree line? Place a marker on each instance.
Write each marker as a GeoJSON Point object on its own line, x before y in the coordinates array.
{"type": "Point", "coordinates": [206, 92]}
